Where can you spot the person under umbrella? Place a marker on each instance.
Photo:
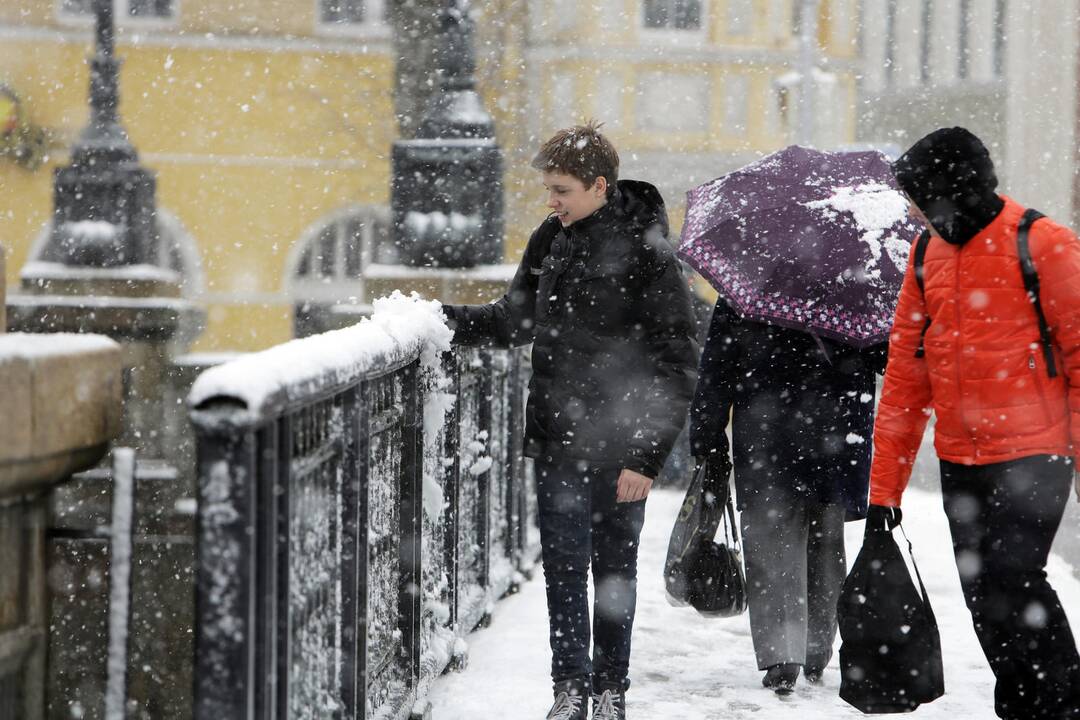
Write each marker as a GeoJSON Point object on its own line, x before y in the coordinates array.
{"type": "Point", "coordinates": [997, 360]}
{"type": "Point", "coordinates": [806, 250]}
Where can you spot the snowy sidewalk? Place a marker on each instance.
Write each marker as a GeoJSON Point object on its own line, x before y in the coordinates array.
{"type": "Point", "coordinates": [690, 668]}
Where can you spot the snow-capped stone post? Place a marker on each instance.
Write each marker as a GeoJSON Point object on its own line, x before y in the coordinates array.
{"type": "Point", "coordinates": [446, 192]}
{"type": "Point", "coordinates": [101, 270]}
{"type": "Point", "coordinates": [62, 409]}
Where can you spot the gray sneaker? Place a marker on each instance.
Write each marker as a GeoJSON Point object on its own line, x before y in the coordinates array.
{"type": "Point", "coordinates": [569, 701]}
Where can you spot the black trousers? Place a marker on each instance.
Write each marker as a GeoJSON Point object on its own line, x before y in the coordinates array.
{"type": "Point", "coordinates": [1003, 519]}
{"type": "Point", "coordinates": [580, 523]}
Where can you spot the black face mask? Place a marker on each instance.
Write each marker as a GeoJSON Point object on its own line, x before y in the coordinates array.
{"type": "Point", "coordinates": [958, 222]}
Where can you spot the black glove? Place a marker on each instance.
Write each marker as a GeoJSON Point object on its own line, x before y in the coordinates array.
{"type": "Point", "coordinates": [717, 471]}
{"type": "Point", "coordinates": [880, 518]}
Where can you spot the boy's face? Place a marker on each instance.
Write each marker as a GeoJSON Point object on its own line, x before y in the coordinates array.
{"type": "Point", "coordinates": [570, 199]}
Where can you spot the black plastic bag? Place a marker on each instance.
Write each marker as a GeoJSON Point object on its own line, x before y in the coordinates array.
{"type": "Point", "coordinates": [699, 571]}
{"type": "Point", "coordinates": [890, 655]}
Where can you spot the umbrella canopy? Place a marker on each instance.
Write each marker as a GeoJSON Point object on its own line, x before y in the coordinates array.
{"type": "Point", "coordinates": [812, 240]}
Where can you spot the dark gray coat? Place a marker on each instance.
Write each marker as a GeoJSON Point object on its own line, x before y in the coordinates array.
{"type": "Point", "coordinates": [607, 308]}
{"type": "Point", "coordinates": [802, 410]}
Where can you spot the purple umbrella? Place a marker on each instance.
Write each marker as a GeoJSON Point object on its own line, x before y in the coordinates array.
{"type": "Point", "coordinates": [811, 240]}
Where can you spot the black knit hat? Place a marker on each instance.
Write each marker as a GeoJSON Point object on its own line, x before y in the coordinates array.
{"type": "Point", "coordinates": [950, 176]}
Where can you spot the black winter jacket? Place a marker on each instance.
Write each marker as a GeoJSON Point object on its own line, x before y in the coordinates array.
{"type": "Point", "coordinates": [607, 308]}
{"type": "Point", "coordinates": [801, 410]}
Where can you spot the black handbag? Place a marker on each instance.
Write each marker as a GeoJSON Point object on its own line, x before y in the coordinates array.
{"type": "Point", "coordinates": [890, 655]}
{"type": "Point", "coordinates": [700, 572]}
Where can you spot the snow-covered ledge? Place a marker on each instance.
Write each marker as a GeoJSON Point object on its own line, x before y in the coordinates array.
{"type": "Point", "coordinates": [63, 404]}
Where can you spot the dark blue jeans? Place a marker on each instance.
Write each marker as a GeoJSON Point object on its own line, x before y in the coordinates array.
{"type": "Point", "coordinates": [580, 522]}
{"type": "Point", "coordinates": [1003, 519]}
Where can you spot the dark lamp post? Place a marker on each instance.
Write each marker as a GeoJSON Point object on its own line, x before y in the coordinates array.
{"type": "Point", "coordinates": [104, 209]}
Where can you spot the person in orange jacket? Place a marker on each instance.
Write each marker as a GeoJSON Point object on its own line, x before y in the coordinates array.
{"type": "Point", "coordinates": [966, 345]}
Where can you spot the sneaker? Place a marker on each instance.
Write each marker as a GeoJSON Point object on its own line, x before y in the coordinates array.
{"type": "Point", "coordinates": [781, 678]}
{"type": "Point", "coordinates": [813, 674]}
{"type": "Point", "coordinates": [569, 701]}
{"type": "Point", "coordinates": [609, 705]}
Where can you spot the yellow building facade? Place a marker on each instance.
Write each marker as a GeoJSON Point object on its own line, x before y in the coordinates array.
{"type": "Point", "coordinates": [269, 123]}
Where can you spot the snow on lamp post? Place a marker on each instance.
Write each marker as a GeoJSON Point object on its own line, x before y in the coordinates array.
{"type": "Point", "coordinates": [104, 210]}
{"type": "Point", "coordinates": [446, 193]}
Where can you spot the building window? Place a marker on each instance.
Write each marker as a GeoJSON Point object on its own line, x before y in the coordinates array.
{"type": "Point", "coordinates": [351, 13]}
{"type": "Point", "coordinates": [122, 9]}
{"type": "Point", "coordinates": [1000, 11]}
{"type": "Point", "coordinates": [890, 43]}
{"type": "Point", "coordinates": [925, 39]}
{"type": "Point", "coordinates": [963, 55]}
{"type": "Point", "coordinates": [659, 92]}
{"type": "Point", "coordinates": [672, 14]}
{"type": "Point", "coordinates": [740, 17]}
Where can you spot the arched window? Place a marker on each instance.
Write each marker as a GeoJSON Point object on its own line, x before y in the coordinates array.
{"type": "Point", "coordinates": [329, 262]}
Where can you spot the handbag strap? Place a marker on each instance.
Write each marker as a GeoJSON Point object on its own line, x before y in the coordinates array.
{"type": "Point", "coordinates": [911, 554]}
{"type": "Point", "coordinates": [735, 541]}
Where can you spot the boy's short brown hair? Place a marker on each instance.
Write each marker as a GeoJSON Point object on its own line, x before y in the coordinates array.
{"type": "Point", "coordinates": [582, 152]}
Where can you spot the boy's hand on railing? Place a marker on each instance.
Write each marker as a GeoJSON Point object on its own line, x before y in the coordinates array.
{"type": "Point", "coordinates": [633, 486]}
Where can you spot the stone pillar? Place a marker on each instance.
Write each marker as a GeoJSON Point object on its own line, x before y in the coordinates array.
{"type": "Point", "coordinates": [139, 307]}
{"type": "Point", "coordinates": [99, 272]}
{"type": "Point", "coordinates": [1040, 131]}
{"type": "Point", "coordinates": [3, 291]}
{"type": "Point", "coordinates": [62, 408]}
{"type": "Point", "coordinates": [416, 31]}
{"type": "Point", "coordinates": [944, 43]}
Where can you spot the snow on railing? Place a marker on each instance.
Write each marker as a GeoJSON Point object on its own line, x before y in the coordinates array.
{"type": "Point", "coordinates": [363, 501]}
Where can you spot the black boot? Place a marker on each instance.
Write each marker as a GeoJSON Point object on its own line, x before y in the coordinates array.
{"type": "Point", "coordinates": [813, 673]}
{"type": "Point", "coordinates": [781, 678]}
{"type": "Point", "coordinates": [570, 701]}
{"type": "Point", "coordinates": [609, 703]}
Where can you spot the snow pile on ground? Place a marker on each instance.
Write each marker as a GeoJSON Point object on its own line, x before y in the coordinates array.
{"type": "Point", "coordinates": [399, 327]}
{"type": "Point", "coordinates": [690, 668]}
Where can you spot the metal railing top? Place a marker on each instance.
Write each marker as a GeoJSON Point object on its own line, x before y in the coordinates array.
{"type": "Point", "coordinates": [261, 386]}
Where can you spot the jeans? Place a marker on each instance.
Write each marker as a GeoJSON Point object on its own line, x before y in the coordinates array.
{"type": "Point", "coordinates": [580, 522]}
{"type": "Point", "coordinates": [1003, 519]}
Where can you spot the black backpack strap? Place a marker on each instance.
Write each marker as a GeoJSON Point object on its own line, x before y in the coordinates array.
{"type": "Point", "coordinates": [920, 255]}
{"type": "Point", "coordinates": [1031, 284]}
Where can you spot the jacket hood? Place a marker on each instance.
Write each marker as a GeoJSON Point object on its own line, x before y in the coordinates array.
{"type": "Point", "coordinates": [949, 175]}
{"type": "Point", "coordinates": [641, 201]}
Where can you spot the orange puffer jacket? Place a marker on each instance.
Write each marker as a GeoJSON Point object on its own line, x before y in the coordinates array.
{"type": "Point", "coordinates": [983, 373]}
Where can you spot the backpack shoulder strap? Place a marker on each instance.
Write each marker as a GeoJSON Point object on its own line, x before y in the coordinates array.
{"type": "Point", "coordinates": [1031, 285]}
{"type": "Point", "coordinates": [920, 256]}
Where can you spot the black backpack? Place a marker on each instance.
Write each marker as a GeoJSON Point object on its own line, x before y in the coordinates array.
{"type": "Point", "coordinates": [1031, 284]}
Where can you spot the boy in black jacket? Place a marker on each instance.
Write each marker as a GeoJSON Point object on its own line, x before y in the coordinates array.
{"type": "Point", "coordinates": [602, 298]}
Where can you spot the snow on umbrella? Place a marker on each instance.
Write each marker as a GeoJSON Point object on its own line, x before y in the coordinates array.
{"type": "Point", "coordinates": [811, 240]}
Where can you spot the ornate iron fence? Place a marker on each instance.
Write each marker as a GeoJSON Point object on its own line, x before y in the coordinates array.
{"type": "Point", "coordinates": [334, 575]}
